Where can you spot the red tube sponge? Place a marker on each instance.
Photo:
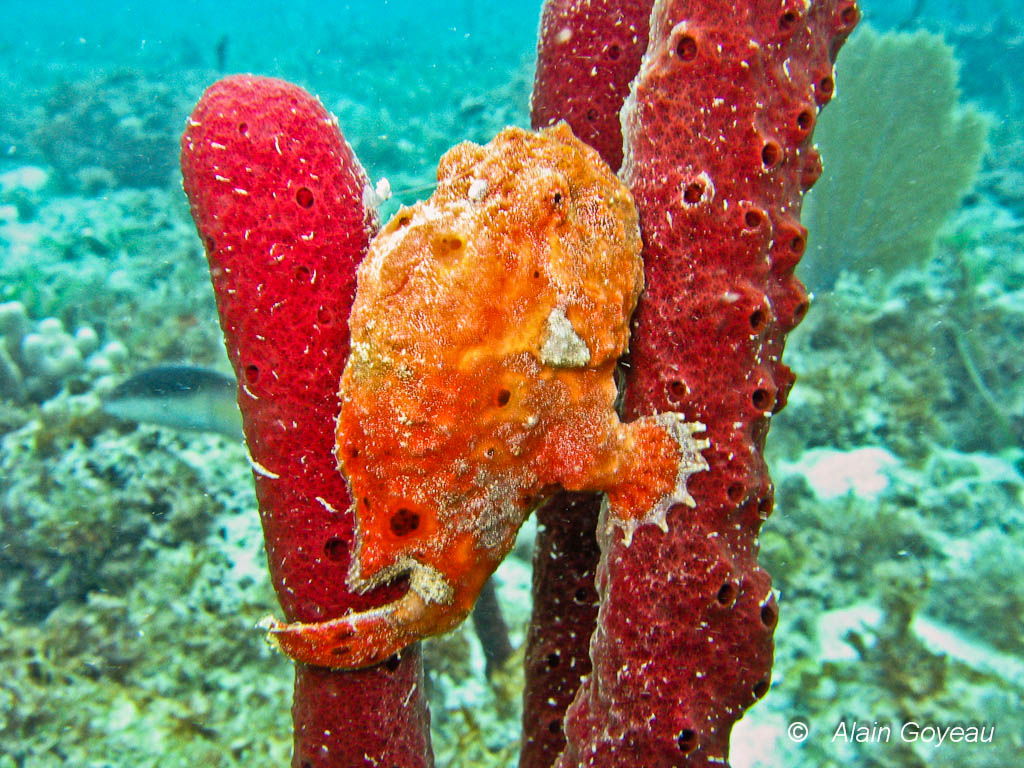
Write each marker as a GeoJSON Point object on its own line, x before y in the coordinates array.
{"type": "Point", "coordinates": [587, 55]}
{"type": "Point", "coordinates": [717, 155]}
{"type": "Point", "coordinates": [277, 197]}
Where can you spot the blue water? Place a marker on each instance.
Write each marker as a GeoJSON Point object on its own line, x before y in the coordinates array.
{"type": "Point", "coordinates": [130, 554]}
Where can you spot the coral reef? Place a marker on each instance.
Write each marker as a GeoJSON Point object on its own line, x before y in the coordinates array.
{"type": "Point", "coordinates": [115, 131]}
{"type": "Point", "coordinates": [939, 356]}
{"type": "Point", "coordinates": [21, 192]}
{"type": "Point", "coordinates": [103, 505]}
{"type": "Point", "coordinates": [121, 551]}
{"type": "Point", "coordinates": [37, 358]}
{"type": "Point", "coordinates": [887, 624]}
{"type": "Point", "coordinates": [124, 265]}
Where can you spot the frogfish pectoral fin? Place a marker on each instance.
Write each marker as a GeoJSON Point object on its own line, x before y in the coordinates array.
{"type": "Point", "coordinates": [664, 451]}
{"type": "Point", "coordinates": [365, 638]}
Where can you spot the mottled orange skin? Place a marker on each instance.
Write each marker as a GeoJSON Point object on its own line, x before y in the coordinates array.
{"type": "Point", "coordinates": [485, 332]}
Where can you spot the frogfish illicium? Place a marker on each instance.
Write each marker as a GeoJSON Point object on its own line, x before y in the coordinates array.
{"type": "Point", "coordinates": [486, 328]}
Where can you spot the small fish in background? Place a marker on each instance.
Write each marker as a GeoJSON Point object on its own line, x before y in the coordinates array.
{"type": "Point", "coordinates": [221, 52]}
{"type": "Point", "coordinates": [181, 397]}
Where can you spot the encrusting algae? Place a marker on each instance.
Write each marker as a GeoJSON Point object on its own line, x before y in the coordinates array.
{"type": "Point", "coordinates": [486, 328]}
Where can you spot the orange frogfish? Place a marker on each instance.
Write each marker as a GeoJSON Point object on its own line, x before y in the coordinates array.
{"type": "Point", "coordinates": [486, 328]}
